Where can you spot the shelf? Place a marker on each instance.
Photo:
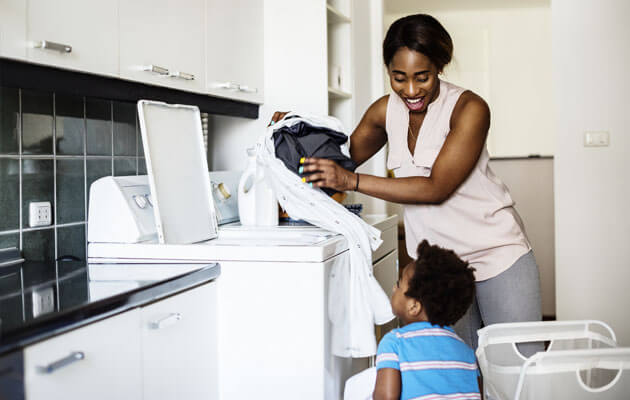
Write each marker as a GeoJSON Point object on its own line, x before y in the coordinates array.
{"type": "Point", "coordinates": [335, 16]}
{"type": "Point", "coordinates": [338, 94]}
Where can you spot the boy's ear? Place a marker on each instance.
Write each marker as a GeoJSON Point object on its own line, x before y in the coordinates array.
{"type": "Point", "coordinates": [414, 307]}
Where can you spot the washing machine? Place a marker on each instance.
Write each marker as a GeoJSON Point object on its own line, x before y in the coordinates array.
{"type": "Point", "coordinates": [274, 334]}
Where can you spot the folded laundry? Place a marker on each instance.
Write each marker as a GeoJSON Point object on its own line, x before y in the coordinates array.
{"type": "Point", "coordinates": [303, 137]}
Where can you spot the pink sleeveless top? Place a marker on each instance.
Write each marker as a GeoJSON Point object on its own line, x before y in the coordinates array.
{"type": "Point", "coordinates": [478, 221]}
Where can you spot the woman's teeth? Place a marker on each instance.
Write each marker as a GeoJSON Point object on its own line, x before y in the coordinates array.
{"type": "Point", "coordinates": [413, 101]}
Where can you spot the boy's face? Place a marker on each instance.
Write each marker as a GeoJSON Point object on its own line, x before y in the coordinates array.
{"type": "Point", "coordinates": [402, 306]}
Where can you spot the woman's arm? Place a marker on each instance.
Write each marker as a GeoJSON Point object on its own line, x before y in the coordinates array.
{"type": "Point", "coordinates": [369, 136]}
{"type": "Point", "coordinates": [459, 154]}
{"type": "Point", "coordinates": [387, 384]}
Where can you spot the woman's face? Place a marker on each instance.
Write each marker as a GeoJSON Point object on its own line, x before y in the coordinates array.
{"type": "Point", "coordinates": [414, 78]}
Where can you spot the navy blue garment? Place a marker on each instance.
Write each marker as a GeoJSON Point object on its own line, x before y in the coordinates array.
{"type": "Point", "coordinates": [305, 140]}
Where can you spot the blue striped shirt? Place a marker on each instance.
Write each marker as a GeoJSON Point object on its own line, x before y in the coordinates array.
{"type": "Point", "coordinates": [434, 363]}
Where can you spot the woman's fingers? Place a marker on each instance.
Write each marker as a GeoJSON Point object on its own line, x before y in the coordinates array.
{"type": "Point", "coordinates": [277, 116]}
{"type": "Point", "coordinates": [325, 173]}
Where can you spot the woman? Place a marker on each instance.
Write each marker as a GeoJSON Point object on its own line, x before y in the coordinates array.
{"type": "Point", "coordinates": [437, 150]}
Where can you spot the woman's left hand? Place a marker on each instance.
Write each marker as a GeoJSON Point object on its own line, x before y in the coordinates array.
{"type": "Point", "coordinates": [327, 173]}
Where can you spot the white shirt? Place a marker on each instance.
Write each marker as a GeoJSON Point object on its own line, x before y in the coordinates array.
{"type": "Point", "coordinates": [356, 300]}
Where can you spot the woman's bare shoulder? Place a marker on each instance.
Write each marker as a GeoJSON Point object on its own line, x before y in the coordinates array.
{"type": "Point", "coordinates": [377, 112]}
{"type": "Point", "coordinates": [470, 105]}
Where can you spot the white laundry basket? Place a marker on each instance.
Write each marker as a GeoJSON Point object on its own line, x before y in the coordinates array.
{"type": "Point", "coordinates": [508, 374]}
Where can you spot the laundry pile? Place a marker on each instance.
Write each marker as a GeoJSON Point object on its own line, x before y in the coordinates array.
{"type": "Point", "coordinates": [356, 300]}
{"type": "Point", "coordinates": [302, 137]}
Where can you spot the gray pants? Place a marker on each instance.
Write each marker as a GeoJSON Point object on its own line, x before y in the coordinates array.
{"type": "Point", "coordinates": [511, 296]}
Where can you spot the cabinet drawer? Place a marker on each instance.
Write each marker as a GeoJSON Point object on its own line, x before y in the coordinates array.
{"type": "Point", "coordinates": [389, 243]}
{"type": "Point", "coordinates": [179, 343]}
{"type": "Point", "coordinates": [106, 363]}
{"type": "Point", "coordinates": [386, 272]}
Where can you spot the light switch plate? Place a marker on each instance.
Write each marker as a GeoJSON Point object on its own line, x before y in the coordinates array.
{"type": "Point", "coordinates": [596, 138]}
{"type": "Point", "coordinates": [39, 214]}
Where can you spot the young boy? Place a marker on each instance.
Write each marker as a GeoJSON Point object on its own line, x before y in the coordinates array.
{"type": "Point", "coordinates": [425, 359]}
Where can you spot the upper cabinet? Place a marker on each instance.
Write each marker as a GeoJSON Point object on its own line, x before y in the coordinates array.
{"type": "Point", "coordinates": [13, 29]}
{"type": "Point", "coordinates": [205, 46]}
{"type": "Point", "coordinates": [74, 34]}
{"type": "Point", "coordinates": [162, 43]}
{"type": "Point", "coordinates": [234, 49]}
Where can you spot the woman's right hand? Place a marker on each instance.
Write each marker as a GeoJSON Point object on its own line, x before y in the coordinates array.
{"type": "Point", "coordinates": [277, 116]}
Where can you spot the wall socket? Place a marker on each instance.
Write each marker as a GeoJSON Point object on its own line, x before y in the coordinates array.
{"type": "Point", "coordinates": [39, 214]}
{"type": "Point", "coordinates": [43, 301]}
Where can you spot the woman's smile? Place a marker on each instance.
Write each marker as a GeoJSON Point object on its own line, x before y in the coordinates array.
{"type": "Point", "coordinates": [415, 104]}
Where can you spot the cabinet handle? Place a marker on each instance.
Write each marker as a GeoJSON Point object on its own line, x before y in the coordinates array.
{"type": "Point", "coordinates": [156, 69]}
{"type": "Point", "coordinates": [166, 321]}
{"type": "Point", "coordinates": [183, 75]}
{"type": "Point", "coordinates": [226, 85]}
{"type": "Point", "coordinates": [60, 47]}
{"type": "Point", "coordinates": [52, 367]}
{"type": "Point", "coordinates": [247, 89]}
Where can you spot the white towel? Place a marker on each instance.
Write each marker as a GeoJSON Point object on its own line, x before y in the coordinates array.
{"type": "Point", "coordinates": [356, 300]}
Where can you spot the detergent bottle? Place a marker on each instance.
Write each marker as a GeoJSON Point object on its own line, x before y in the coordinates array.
{"type": "Point", "coordinates": [257, 205]}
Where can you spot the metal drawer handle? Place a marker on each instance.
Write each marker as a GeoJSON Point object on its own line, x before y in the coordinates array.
{"type": "Point", "coordinates": [52, 367]}
{"type": "Point", "coordinates": [60, 47]}
{"type": "Point", "coordinates": [183, 75]}
{"type": "Point", "coordinates": [226, 85]}
{"type": "Point", "coordinates": [247, 89]}
{"type": "Point", "coordinates": [156, 69]}
{"type": "Point", "coordinates": [166, 321]}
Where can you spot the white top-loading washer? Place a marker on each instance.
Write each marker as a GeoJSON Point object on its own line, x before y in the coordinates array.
{"type": "Point", "coordinates": [273, 328]}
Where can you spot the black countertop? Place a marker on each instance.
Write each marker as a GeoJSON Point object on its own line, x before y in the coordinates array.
{"type": "Point", "coordinates": [39, 300]}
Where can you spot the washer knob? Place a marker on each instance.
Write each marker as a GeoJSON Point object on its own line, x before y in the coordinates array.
{"type": "Point", "coordinates": [141, 201]}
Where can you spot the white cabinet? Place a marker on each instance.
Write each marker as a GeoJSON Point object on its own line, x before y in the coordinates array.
{"type": "Point", "coordinates": [99, 361]}
{"type": "Point", "coordinates": [162, 43]}
{"type": "Point", "coordinates": [13, 29]}
{"type": "Point", "coordinates": [234, 49]}
{"type": "Point", "coordinates": [74, 34]}
{"type": "Point", "coordinates": [179, 346]}
{"type": "Point", "coordinates": [166, 350]}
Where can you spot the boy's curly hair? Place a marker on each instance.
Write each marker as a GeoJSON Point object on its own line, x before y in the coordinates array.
{"type": "Point", "coordinates": [443, 283]}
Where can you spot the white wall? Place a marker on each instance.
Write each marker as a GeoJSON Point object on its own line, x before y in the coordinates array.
{"type": "Point", "coordinates": [591, 59]}
{"type": "Point", "coordinates": [367, 28]}
{"type": "Point", "coordinates": [504, 56]}
{"type": "Point", "coordinates": [295, 78]}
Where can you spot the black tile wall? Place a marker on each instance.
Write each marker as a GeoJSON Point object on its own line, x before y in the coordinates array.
{"type": "Point", "coordinates": [69, 125]}
{"type": "Point", "coordinates": [98, 118]}
{"type": "Point", "coordinates": [37, 122]}
{"type": "Point", "coordinates": [52, 147]}
{"type": "Point", "coordinates": [9, 120]}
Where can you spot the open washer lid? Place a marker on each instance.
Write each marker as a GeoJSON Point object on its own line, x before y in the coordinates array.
{"type": "Point", "coordinates": [178, 172]}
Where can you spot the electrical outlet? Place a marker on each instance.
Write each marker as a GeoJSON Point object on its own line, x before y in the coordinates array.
{"type": "Point", "coordinates": [43, 301]}
{"type": "Point", "coordinates": [39, 214]}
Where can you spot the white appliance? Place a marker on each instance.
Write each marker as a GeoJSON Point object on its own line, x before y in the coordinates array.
{"type": "Point", "coordinates": [273, 326]}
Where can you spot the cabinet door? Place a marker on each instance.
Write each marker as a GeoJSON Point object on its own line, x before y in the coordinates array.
{"type": "Point", "coordinates": [162, 43]}
{"type": "Point", "coordinates": [234, 48]}
{"type": "Point", "coordinates": [179, 339]}
{"type": "Point", "coordinates": [13, 29]}
{"type": "Point", "coordinates": [89, 28]}
{"type": "Point", "coordinates": [99, 361]}
{"type": "Point", "coordinates": [386, 273]}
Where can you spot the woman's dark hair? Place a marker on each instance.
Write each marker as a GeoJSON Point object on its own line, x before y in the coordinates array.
{"type": "Point", "coordinates": [422, 33]}
{"type": "Point", "coordinates": [443, 283]}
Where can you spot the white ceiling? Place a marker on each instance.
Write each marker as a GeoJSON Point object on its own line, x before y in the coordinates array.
{"type": "Point", "coordinates": [416, 6]}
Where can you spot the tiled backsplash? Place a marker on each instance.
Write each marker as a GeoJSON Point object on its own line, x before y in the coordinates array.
{"type": "Point", "coordinates": [52, 147]}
